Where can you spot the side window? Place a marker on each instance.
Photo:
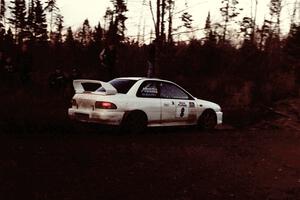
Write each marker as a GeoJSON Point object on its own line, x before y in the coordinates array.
{"type": "Point", "coordinates": [148, 89]}
{"type": "Point", "coordinates": [170, 91]}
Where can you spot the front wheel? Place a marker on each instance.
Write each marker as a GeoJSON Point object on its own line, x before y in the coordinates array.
{"type": "Point", "coordinates": [208, 120]}
{"type": "Point", "coordinates": [135, 122]}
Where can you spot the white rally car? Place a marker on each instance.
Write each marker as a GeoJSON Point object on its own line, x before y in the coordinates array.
{"type": "Point", "coordinates": [135, 103]}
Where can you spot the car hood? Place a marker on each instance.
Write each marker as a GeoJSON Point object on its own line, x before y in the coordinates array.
{"type": "Point", "coordinates": [208, 104]}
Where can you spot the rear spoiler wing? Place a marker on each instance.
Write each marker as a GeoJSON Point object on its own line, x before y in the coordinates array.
{"type": "Point", "coordinates": [109, 89]}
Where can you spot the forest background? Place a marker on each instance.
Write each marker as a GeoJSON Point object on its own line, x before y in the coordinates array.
{"type": "Point", "coordinates": [246, 75]}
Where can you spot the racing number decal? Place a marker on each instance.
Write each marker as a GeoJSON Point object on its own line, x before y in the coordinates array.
{"type": "Point", "coordinates": [182, 112]}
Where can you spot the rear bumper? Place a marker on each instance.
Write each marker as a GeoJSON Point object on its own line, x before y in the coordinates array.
{"type": "Point", "coordinates": [108, 117]}
{"type": "Point", "coordinates": [219, 117]}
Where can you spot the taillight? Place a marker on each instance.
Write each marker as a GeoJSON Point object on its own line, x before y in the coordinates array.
{"type": "Point", "coordinates": [105, 105]}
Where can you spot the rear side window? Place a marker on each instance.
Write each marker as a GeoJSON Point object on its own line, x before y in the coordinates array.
{"type": "Point", "coordinates": [122, 85]}
{"type": "Point", "coordinates": [148, 89]}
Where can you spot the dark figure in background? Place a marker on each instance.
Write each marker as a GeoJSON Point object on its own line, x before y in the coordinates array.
{"type": "Point", "coordinates": [108, 60]}
{"type": "Point", "coordinates": [8, 65]}
{"type": "Point", "coordinates": [24, 63]}
{"type": "Point", "coordinates": [2, 61]}
{"type": "Point", "coordinates": [7, 69]}
{"type": "Point", "coordinates": [75, 74]}
{"type": "Point", "coordinates": [151, 60]}
{"type": "Point", "coordinates": [11, 76]}
{"type": "Point", "coordinates": [58, 80]}
{"type": "Point", "coordinates": [2, 69]}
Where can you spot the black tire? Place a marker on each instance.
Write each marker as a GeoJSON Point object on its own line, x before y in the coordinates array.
{"type": "Point", "coordinates": [208, 120]}
{"type": "Point", "coordinates": [135, 122]}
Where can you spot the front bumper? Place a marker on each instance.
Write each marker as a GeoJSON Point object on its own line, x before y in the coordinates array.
{"type": "Point", "coordinates": [109, 117]}
{"type": "Point", "coordinates": [219, 117]}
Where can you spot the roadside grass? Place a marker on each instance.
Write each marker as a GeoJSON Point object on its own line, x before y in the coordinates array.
{"type": "Point", "coordinates": [32, 108]}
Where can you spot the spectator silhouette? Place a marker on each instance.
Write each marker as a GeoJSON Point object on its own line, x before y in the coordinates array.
{"type": "Point", "coordinates": [24, 63]}
{"type": "Point", "coordinates": [108, 60]}
{"type": "Point", "coordinates": [75, 74]}
{"type": "Point", "coordinates": [8, 65]}
{"type": "Point", "coordinates": [151, 60]}
{"type": "Point", "coordinates": [7, 69]}
{"type": "Point", "coordinates": [2, 64]}
{"type": "Point", "coordinates": [2, 61]}
{"type": "Point", "coordinates": [57, 80]}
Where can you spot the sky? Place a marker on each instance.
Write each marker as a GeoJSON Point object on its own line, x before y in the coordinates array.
{"type": "Point", "coordinates": [139, 15]}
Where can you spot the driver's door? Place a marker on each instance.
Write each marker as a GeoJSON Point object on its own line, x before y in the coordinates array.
{"type": "Point", "coordinates": [178, 108]}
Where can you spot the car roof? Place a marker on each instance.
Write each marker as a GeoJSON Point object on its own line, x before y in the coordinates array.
{"type": "Point", "coordinates": [151, 79]}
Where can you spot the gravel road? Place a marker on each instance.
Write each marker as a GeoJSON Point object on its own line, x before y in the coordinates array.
{"type": "Point", "coordinates": [171, 163]}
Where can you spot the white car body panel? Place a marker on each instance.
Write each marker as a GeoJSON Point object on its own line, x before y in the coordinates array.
{"type": "Point", "coordinates": [159, 111]}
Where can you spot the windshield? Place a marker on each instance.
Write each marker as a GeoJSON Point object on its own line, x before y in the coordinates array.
{"type": "Point", "coordinates": [121, 85]}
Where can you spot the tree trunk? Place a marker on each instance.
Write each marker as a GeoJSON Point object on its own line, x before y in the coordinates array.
{"type": "Point", "coordinates": [254, 22]}
{"type": "Point", "coordinates": [158, 19]}
{"type": "Point", "coordinates": [170, 39]}
{"type": "Point", "coordinates": [157, 41]}
{"type": "Point", "coordinates": [226, 21]}
{"type": "Point", "coordinates": [163, 12]}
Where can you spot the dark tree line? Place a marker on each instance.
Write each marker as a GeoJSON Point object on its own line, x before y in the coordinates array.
{"type": "Point", "coordinates": [262, 60]}
{"type": "Point", "coordinates": [27, 23]}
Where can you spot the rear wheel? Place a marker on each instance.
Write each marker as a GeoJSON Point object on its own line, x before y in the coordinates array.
{"type": "Point", "coordinates": [135, 122]}
{"type": "Point", "coordinates": [208, 120]}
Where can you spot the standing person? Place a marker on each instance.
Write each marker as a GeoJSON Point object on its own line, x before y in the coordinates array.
{"type": "Point", "coordinates": [75, 74]}
{"type": "Point", "coordinates": [24, 63]}
{"type": "Point", "coordinates": [151, 60]}
{"type": "Point", "coordinates": [8, 65]}
{"type": "Point", "coordinates": [108, 60]}
{"type": "Point", "coordinates": [9, 69]}
{"type": "Point", "coordinates": [2, 63]}
{"type": "Point", "coordinates": [58, 80]}
{"type": "Point", "coordinates": [2, 67]}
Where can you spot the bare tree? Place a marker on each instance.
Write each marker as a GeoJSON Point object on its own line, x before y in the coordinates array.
{"type": "Point", "coordinates": [162, 6]}
{"type": "Point", "coordinates": [229, 11]}
{"type": "Point", "coordinates": [18, 16]}
{"type": "Point", "coordinates": [254, 21]}
{"type": "Point", "coordinates": [210, 30]}
{"type": "Point", "coordinates": [140, 21]}
{"type": "Point", "coordinates": [59, 27]}
{"type": "Point", "coordinates": [171, 5]}
{"type": "Point", "coordinates": [116, 19]}
{"type": "Point", "coordinates": [108, 17]}
{"type": "Point", "coordinates": [293, 26]}
{"type": "Point", "coordinates": [187, 20]}
{"type": "Point", "coordinates": [52, 8]}
{"type": "Point", "coordinates": [247, 28]}
{"type": "Point", "coordinates": [163, 13]}
{"type": "Point", "coordinates": [2, 10]}
{"type": "Point", "coordinates": [85, 33]}
{"type": "Point", "coordinates": [158, 17]}
{"type": "Point", "coordinates": [275, 12]}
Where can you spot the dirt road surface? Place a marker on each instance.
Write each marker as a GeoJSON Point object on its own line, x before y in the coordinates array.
{"type": "Point", "coordinates": [172, 163]}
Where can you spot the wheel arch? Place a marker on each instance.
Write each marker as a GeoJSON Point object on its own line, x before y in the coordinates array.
{"type": "Point", "coordinates": [207, 110]}
{"type": "Point", "coordinates": [136, 111]}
